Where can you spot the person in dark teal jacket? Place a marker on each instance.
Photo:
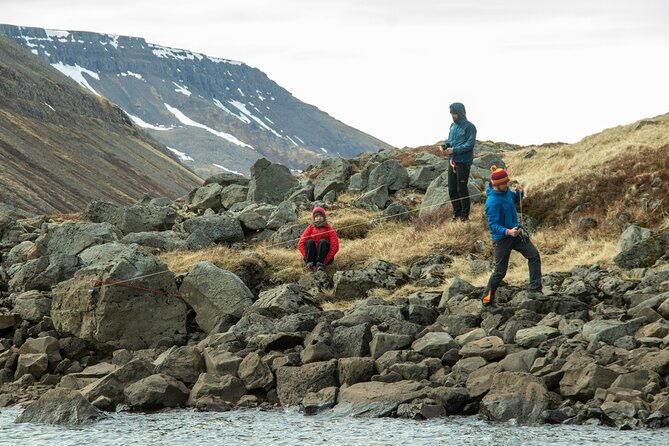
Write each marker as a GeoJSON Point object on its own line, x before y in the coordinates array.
{"type": "Point", "coordinates": [460, 149]}
{"type": "Point", "coordinates": [500, 208]}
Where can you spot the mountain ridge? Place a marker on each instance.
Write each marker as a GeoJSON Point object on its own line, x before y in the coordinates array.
{"type": "Point", "coordinates": [217, 114]}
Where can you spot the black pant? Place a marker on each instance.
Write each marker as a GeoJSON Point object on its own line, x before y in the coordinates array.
{"type": "Point", "coordinates": [503, 250]}
{"type": "Point", "coordinates": [316, 254]}
{"type": "Point", "coordinates": [458, 191]}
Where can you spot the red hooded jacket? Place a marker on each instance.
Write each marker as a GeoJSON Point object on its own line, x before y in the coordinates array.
{"type": "Point", "coordinates": [325, 232]}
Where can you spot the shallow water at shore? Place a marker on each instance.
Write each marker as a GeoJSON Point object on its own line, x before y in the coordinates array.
{"type": "Point", "coordinates": [255, 427]}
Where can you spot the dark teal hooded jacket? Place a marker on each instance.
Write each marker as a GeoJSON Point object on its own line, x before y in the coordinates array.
{"type": "Point", "coordinates": [500, 208]}
{"type": "Point", "coordinates": [461, 136]}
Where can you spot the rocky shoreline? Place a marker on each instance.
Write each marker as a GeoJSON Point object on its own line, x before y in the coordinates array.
{"type": "Point", "coordinates": [91, 319]}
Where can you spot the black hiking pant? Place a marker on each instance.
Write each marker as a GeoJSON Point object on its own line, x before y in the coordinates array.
{"type": "Point", "coordinates": [458, 191]}
{"type": "Point", "coordinates": [502, 249]}
{"type": "Point", "coordinates": [316, 254]}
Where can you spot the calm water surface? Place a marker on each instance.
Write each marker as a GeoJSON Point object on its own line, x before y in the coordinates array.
{"type": "Point", "coordinates": [255, 427]}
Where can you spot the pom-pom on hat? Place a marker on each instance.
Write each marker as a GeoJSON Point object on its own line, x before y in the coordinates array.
{"type": "Point", "coordinates": [498, 176]}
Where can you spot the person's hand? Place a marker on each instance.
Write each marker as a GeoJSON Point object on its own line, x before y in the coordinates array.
{"type": "Point", "coordinates": [513, 232]}
{"type": "Point", "coordinates": [448, 151]}
{"type": "Point", "coordinates": [519, 188]}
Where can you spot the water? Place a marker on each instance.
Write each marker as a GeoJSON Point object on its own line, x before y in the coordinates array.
{"type": "Point", "coordinates": [254, 427]}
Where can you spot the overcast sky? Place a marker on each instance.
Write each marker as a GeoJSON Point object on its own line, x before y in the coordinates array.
{"type": "Point", "coordinates": [528, 71]}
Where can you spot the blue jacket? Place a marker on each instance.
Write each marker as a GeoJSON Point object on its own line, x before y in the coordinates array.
{"type": "Point", "coordinates": [461, 136]}
{"type": "Point", "coordinates": [500, 208]}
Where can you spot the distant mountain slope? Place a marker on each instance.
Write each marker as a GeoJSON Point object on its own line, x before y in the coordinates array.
{"type": "Point", "coordinates": [216, 114]}
{"type": "Point", "coordinates": [62, 147]}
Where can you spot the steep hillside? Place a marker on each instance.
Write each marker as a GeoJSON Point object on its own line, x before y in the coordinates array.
{"type": "Point", "coordinates": [62, 146]}
{"type": "Point", "coordinates": [216, 114]}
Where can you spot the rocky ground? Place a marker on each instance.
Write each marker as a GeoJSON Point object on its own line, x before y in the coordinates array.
{"type": "Point", "coordinates": [92, 320]}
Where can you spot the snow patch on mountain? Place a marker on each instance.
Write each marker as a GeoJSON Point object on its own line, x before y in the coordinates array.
{"type": "Point", "coordinates": [242, 108]}
{"type": "Point", "coordinates": [141, 123]}
{"type": "Point", "coordinates": [182, 156]}
{"type": "Point", "coordinates": [76, 73]}
{"type": "Point", "coordinates": [182, 89]}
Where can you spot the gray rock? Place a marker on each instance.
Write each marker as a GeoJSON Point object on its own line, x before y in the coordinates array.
{"type": "Point", "coordinates": [130, 219]}
{"type": "Point", "coordinates": [486, 161]}
{"type": "Point", "coordinates": [490, 348]}
{"type": "Point", "coordinates": [35, 364]}
{"type": "Point", "coordinates": [434, 344]}
{"type": "Point", "coordinates": [319, 345]}
{"type": "Point", "coordinates": [353, 341]}
{"type": "Point", "coordinates": [46, 344]}
{"type": "Point", "coordinates": [18, 254]}
{"type": "Point", "coordinates": [355, 369]}
{"type": "Point", "coordinates": [255, 373]}
{"type": "Point", "coordinates": [214, 293]}
{"type": "Point", "coordinates": [436, 196]}
{"type": "Point", "coordinates": [61, 406]}
{"type": "Point", "coordinates": [156, 392]}
{"type": "Point", "coordinates": [209, 230]}
{"type": "Point", "coordinates": [32, 306]}
{"type": "Point", "coordinates": [270, 183]}
{"type": "Point", "coordinates": [389, 173]}
{"type": "Point", "coordinates": [205, 197]}
{"type": "Point", "coordinates": [71, 239]}
{"type": "Point", "coordinates": [182, 363]}
{"type": "Point", "coordinates": [226, 179]}
{"type": "Point", "coordinates": [534, 336]}
{"type": "Point", "coordinates": [117, 316]}
{"type": "Point", "coordinates": [316, 402]}
{"type": "Point", "coordinates": [285, 300]}
{"type": "Point", "coordinates": [608, 331]}
{"type": "Point", "coordinates": [285, 212]}
{"type": "Point", "coordinates": [293, 383]}
{"type": "Point", "coordinates": [333, 178]}
{"type": "Point", "coordinates": [373, 200]}
{"type": "Point", "coordinates": [219, 361]}
{"type": "Point", "coordinates": [112, 385]}
{"type": "Point", "coordinates": [216, 389]}
{"type": "Point", "coordinates": [353, 284]}
{"type": "Point", "coordinates": [517, 395]}
{"type": "Point", "coordinates": [421, 177]}
{"type": "Point", "coordinates": [641, 254]}
{"type": "Point", "coordinates": [289, 235]}
{"type": "Point", "coordinates": [377, 399]}
{"type": "Point", "coordinates": [582, 383]}
{"type": "Point", "coordinates": [384, 342]}
{"type": "Point", "coordinates": [631, 236]}
{"type": "Point", "coordinates": [44, 272]}
{"type": "Point", "coordinates": [232, 194]}
{"type": "Point", "coordinates": [164, 240]}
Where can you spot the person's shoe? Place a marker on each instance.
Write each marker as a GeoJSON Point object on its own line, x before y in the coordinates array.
{"type": "Point", "coordinates": [488, 298]}
{"type": "Point", "coordinates": [536, 295]}
{"type": "Point", "coordinates": [310, 267]}
{"type": "Point", "coordinates": [320, 267]}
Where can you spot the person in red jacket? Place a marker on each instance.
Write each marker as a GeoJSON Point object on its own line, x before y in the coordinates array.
{"type": "Point", "coordinates": [318, 243]}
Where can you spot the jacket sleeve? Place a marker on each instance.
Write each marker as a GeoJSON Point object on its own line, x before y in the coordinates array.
{"type": "Point", "coordinates": [470, 140]}
{"type": "Point", "coordinates": [303, 239]}
{"type": "Point", "coordinates": [495, 220]}
{"type": "Point", "coordinates": [334, 246]}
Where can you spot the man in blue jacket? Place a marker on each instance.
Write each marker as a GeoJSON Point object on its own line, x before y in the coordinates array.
{"type": "Point", "coordinates": [500, 208]}
{"type": "Point", "coordinates": [460, 149]}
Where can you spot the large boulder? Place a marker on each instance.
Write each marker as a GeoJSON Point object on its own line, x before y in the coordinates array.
{"type": "Point", "coordinates": [631, 236]}
{"type": "Point", "coordinates": [226, 179]}
{"type": "Point", "coordinates": [288, 235]}
{"type": "Point", "coordinates": [581, 383]}
{"type": "Point", "coordinates": [373, 200]}
{"type": "Point", "coordinates": [130, 219]}
{"type": "Point", "coordinates": [377, 399]}
{"type": "Point", "coordinates": [214, 293]}
{"type": "Point", "coordinates": [285, 300]}
{"type": "Point", "coordinates": [270, 183]}
{"type": "Point", "coordinates": [232, 194]}
{"type": "Point", "coordinates": [44, 272]}
{"type": "Point", "coordinates": [333, 178]}
{"type": "Point", "coordinates": [642, 254]}
{"type": "Point", "coordinates": [183, 363]}
{"type": "Point", "coordinates": [73, 238]}
{"type": "Point", "coordinates": [61, 406]}
{"type": "Point", "coordinates": [436, 196]}
{"type": "Point", "coordinates": [421, 177]}
{"type": "Point", "coordinates": [389, 173]}
{"type": "Point", "coordinates": [216, 389]}
{"type": "Point", "coordinates": [517, 395]}
{"type": "Point", "coordinates": [354, 284]}
{"type": "Point", "coordinates": [205, 197]}
{"type": "Point", "coordinates": [255, 373]}
{"type": "Point", "coordinates": [163, 240]}
{"type": "Point", "coordinates": [210, 230]}
{"type": "Point", "coordinates": [111, 386]}
{"type": "Point", "coordinates": [130, 303]}
{"type": "Point", "coordinates": [32, 306]}
{"type": "Point", "coordinates": [293, 383]}
{"type": "Point", "coordinates": [156, 392]}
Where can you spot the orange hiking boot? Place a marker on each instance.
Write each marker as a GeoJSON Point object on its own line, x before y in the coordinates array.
{"type": "Point", "coordinates": [488, 298]}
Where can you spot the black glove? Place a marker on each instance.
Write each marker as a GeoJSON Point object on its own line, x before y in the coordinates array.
{"type": "Point", "coordinates": [445, 145]}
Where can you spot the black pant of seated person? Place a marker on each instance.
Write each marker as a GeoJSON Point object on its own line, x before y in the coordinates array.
{"type": "Point", "coordinates": [316, 254]}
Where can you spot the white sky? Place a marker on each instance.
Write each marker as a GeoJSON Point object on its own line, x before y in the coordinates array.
{"type": "Point", "coordinates": [528, 71]}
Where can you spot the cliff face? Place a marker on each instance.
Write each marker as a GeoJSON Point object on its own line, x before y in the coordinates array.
{"type": "Point", "coordinates": [62, 147]}
{"type": "Point", "coordinates": [216, 114]}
